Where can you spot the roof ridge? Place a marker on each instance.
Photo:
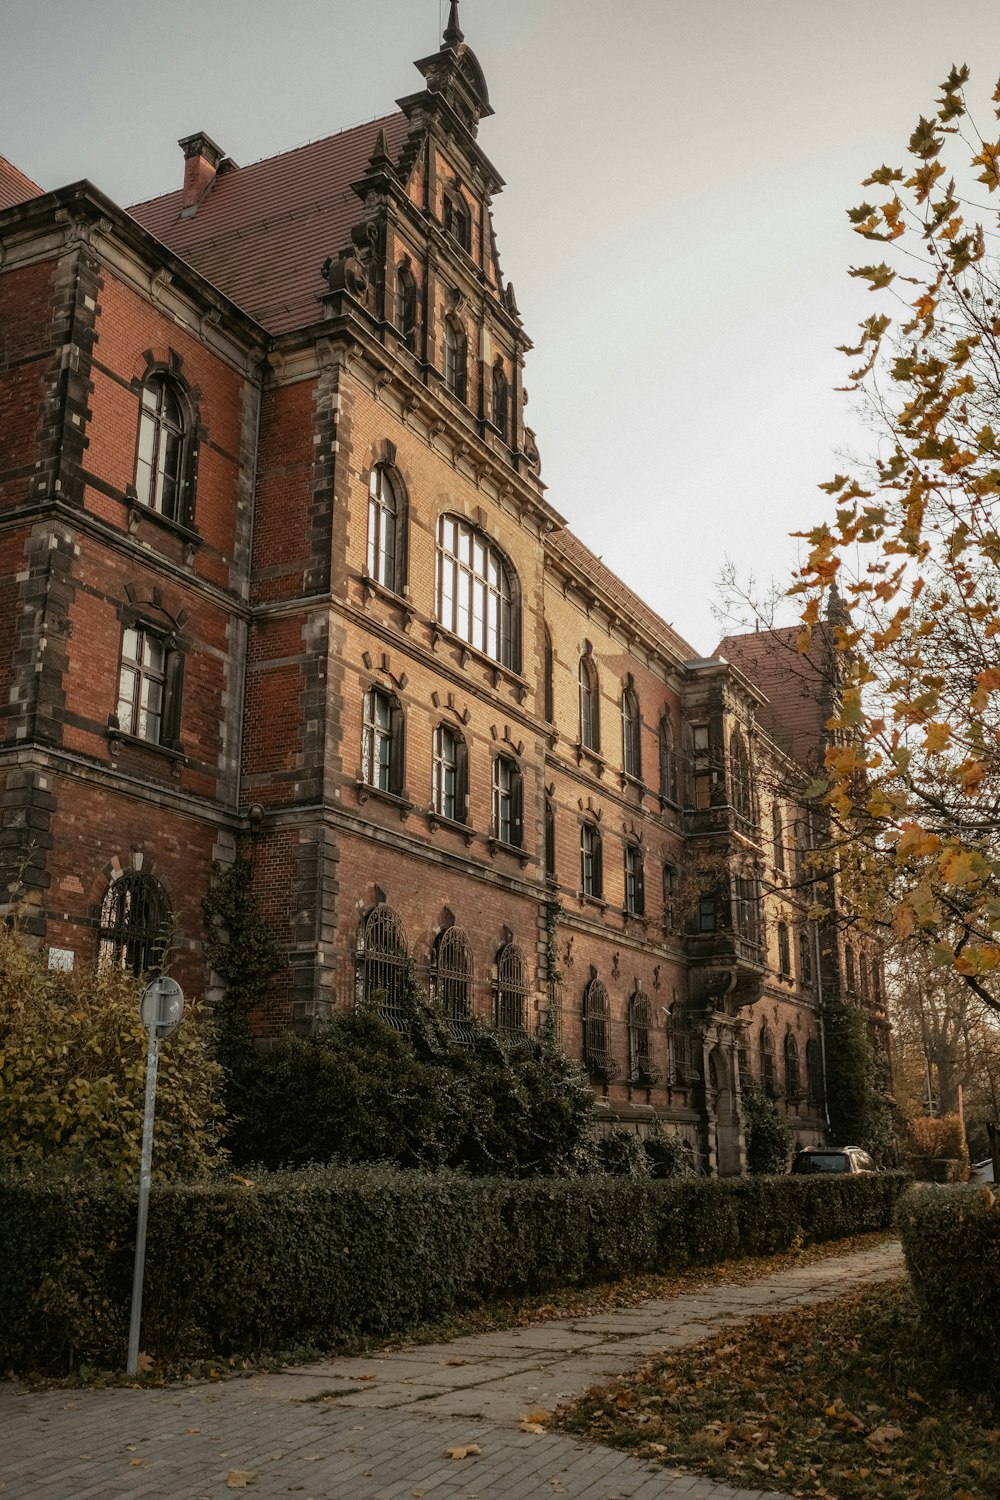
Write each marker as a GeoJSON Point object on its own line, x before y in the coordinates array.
{"type": "Point", "coordinates": [290, 151]}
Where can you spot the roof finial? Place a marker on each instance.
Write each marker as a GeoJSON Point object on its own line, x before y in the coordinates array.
{"type": "Point", "coordinates": [453, 32]}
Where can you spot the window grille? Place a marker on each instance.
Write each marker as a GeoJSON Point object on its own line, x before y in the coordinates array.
{"type": "Point", "coordinates": [383, 967]}
{"type": "Point", "coordinates": [681, 1052]}
{"type": "Point", "coordinates": [453, 982]}
{"type": "Point", "coordinates": [641, 1069]}
{"type": "Point", "coordinates": [135, 923]}
{"type": "Point", "coordinates": [597, 1053]}
{"type": "Point", "coordinates": [511, 994]}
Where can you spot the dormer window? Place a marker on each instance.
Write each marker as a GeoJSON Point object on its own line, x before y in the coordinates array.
{"type": "Point", "coordinates": [458, 221]}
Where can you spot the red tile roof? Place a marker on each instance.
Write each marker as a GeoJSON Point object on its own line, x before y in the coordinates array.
{"type": "Point", "coordinates": [794, 685]}
{"type": "Point", "coordinates": [262, 232]}
{"type": "Point", "coordinates": [14, 186]}
{"type": "Point", "coordinates": [588, 566]}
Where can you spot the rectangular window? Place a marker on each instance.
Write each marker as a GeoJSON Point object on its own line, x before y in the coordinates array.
{"type": "Point", "coordinates": [376, 743]}
{"type": "Point", "coordinates": [506, 801]}
{"type": "Point", "coordinates": [591, 875]}
{"type": "Point", "coordinates": [635, 903]}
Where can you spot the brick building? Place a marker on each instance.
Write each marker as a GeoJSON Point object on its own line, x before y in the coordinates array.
{"type": "Point", "coordinates": [279, 576]}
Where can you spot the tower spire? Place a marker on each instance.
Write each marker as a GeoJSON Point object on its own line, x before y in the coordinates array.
{"type": "Point", "coordinates": [453, 33]}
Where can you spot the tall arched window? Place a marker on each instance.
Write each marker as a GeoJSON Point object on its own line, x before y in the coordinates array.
{"type": "Point", "coordinates": [135, 923]}
{"type": "Point", "coordinates": [456, 360]}
{"type": "Point", "coordinates": [784, 952]}
{"type": "Point", "coordinates": [406, 305]}
{"type": "Point", "coordinates": [863, 978]}
{"type": "Point", "coordinates": [739, 774]}
{"type": "Point", "coordinates": [382, 966]}
{"type": "Point", "coordinates": [548, 678]}
{"type": "Point", "coordinates": [805, 958]}
{"type": "Point", "coordinates": [597, 1051]}
{"type": "Point", "coordinates": [453, 975]}
{"type": "Point", "coordinates": [631, 733]}
{"type": "Point", "coordinates": [382, 742]}
{"type": "Point", "coordinates": [162, 451]}
{"type": "Point", "coordinates": [591, 862]}
{"type": "Point", "coordinates": [501, 401]}
{"type": "Point", "coordinates": [550, 839]}
{"type": "Point", "coordinates": [449, 789]}
{"type": "Point", "coordinates": [477, 595]}
{"type": "Point", "coordinates": [386, 529]}
{"type": "Point", "coordinates": [590, 711]}
{"type": "Point", "coordinates": [641, 1069]}
{"type": "Point", "coordinates": [793, 1082]}
{"type": "Point", "coordinates": [635, 891]}
{"type": "Point", "coordinates": [668, 761]}
{"type": "Point", "coordinates": [779, 838]}
{"type": "Point", "coordinates": [767, 1070]}
{"type": "Point", "coordinates": [507, 801]}
{"type": "Point", "coordinates": [849, 975]}
{"type": "Point", "coordinates": [814, 1073]}
{"type": "Point", "coordinates": [682, 1069]}
{"type": "Point", "coordinates": [510, 996]}
{"type": "Point", "coordinates": [458, 220]}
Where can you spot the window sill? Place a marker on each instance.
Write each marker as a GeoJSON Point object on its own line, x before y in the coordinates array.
{"type": "Point", "coordinates": [438, 820]}
{"type": "Point", "coordinates": [375, 590]}
{"type": "Point", "coordinates": [596, 759]}
{"type": "Point", "coordinates": [627, 780]}
{"type": "Point", "coordinates": [499, 846]}
{"type": "Point", "coordinates": [498, 669]}
{"type": "Point", "coordinates": [587, 900]}
{"type": "Point", "coordinates": [402, 804]}
{"type": "Point", "coordinates": [118, 739]}
{"type": "Point", "coordinates": [139, 512]}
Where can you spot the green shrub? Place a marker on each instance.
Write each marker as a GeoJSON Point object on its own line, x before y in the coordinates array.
{"type": "Point", "coordinates": [73, 1068]}
{"type": "Point", "coordinates": [365, 1094]}
{"type": "Point", "coordinates": [856, 1084]}
{"type": "Point", "coordinates": [951, 1240]}
{"type": "Point", "coordinates": [668, 1155]}
{"type": "Point", "coordinates": [621, 1153]}
{"type": "Point", "coordinates": [377, 1250]}
{"type": "Point", "coordinates": [766, 1133]}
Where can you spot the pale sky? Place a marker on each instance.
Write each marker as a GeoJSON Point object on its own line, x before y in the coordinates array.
{"type": "Point", "coordinates": [674, 224]}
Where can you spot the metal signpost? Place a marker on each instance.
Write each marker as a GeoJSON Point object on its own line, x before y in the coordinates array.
{"type": "Point", "coordinates": [161, 1008]}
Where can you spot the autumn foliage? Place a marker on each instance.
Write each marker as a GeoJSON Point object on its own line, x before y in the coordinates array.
{"type": "Point", "coordinates": [929, 1139]}
{"type": "Point", "coordinates": [914, 547]}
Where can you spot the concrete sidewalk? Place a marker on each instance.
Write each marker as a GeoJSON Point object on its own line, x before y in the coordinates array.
{"type": "Point", "coordinates": [378, 1427]}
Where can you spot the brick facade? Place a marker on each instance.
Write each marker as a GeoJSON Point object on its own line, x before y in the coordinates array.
{"type": "Point", "coordinates": [280, 622]}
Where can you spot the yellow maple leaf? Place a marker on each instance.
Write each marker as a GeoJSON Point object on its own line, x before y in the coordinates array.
{"type": "Point", "coordinates": [960, 867]}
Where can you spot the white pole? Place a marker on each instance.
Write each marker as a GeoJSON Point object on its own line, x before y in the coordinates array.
{"type": "Point", "coordinates": [145, 1169]}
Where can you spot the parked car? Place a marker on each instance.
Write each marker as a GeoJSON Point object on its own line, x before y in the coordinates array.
{"type": "Point", "coordinates": [831, 1159]}
{"type": "Point", "coordinates": [981, 1171]}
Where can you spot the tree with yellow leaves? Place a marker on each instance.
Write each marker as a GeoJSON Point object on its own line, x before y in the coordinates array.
{"type": "Point", "coordinates": [914, 546]}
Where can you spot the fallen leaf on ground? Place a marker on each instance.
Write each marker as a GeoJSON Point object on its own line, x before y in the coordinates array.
{"type": "Point", "coordinates": [531, 1427]}
{"type": "Point", "coordinates": [144, 1362]}
{"type": "Point", "coordinates": [238, 1479]}
{"type": "Point", "coordinates": [366, 1377]}
{"type": "Point", "coordinates": [454, 1361]}
{"type": "Point", "coordinates": [460, 1451]}
{"type": "Point", "coordinates": [882, 1437]}
{"type": "Point", "coordinates": [539, 1414]}
{"type": "Point", "coordinates": [136, 1463]}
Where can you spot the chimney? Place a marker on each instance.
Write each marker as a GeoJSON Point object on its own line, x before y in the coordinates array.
{"type": "Point", "coordinates": [202, 160]}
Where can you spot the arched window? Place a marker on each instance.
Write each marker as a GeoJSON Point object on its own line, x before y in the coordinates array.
{"type": "Point", "coordinates": [406, 305]}
{"type": "Point", "coordinates": [863, 978]}
{"type": "Point", "coordinates": [511, 994]}
{"type": "Point", "coordinates": [668, 761]}
{"type": "Point", "coordinates": [386, 529]}
{"type": "Point", "coordinates": [550, 839]}
{"type": "Point", "coordinates": [450, 781]}
{"type": "Point", "coordinates": [631, 733]}
{"type": "Point", "coordinates": [548, 683]}
{"type": "Point", "coordinates": [779, 838]}
{"type": "Point", "coordinates": [849, 975]}
{"type": "Point", "coordinates": [746, 908]}
{"type": "Point", "coordinates": [640, 1052]}
{"type": "Point", "coordinates": [382, 742]}
{"type": "Point", "coordinates": [669, 898]}
{"type": "Point", "coordinates": [793, 1082]}
{"type": "Point", "coordinates": [814, 1073]}
{"type": "Point", "coordinates": [784, 952]}
{"type": "Point", "coordinates": [458, 220]}
{"type": "Point", "coordinates": [453, 978]}
{"type": "Point", "coordinates": [597, 1054]}
{"type": "Point", "coordinates": [739, 773]}
{"type": "Point", "coordinates": [507, 798]}
{"type": "Point", "coordinates": [162, 453]}
{"type": "Point", "coordinates": [477, 596]}
{"type": "Point", "coordinates": [590, 713]}
{"type": "Point", "coordinates": [682, 1070]}
{"type": "Point", "coordinates": [150, 680]}
{"type": "Point", "coordinates": [501, 401]}
{"type": "Point", "coordinates": [805, 958]}
{"type": "Point", "coordinates": [135, 923]}
{"type": "Point", "coordinates": [635, 895]}
{"type": "Point", "coordinates": [591, 862]}
{"type": "Point", "coordinates": [382, 967]}
{"type": "Point", "coordinates": [456, 360]}
{"type": "Point", "coordinates": [767, 1071]}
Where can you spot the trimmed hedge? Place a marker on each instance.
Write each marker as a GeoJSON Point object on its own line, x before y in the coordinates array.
{"type": "Point", "coordinates": [951, 1240]}
{"type": "Point", "coordinates": [325, 1255]}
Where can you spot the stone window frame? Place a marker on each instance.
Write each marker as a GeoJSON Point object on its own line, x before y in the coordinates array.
{"type": "Point", "coordinates": [388, 509]}
{"type": "Point", "coordinates": [461, 584]}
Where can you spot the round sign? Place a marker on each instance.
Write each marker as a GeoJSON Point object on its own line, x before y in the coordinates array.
{"type": "Point", "coordinates": [162, 1005]}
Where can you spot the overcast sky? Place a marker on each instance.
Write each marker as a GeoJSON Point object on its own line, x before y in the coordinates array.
{"type": "Point", "coordinates": [673, 223]}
